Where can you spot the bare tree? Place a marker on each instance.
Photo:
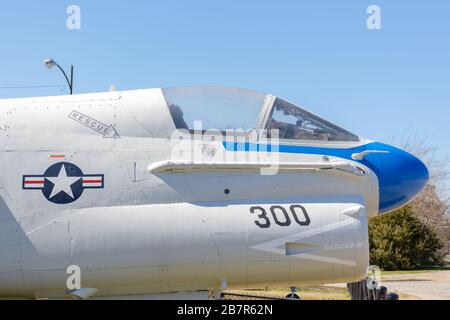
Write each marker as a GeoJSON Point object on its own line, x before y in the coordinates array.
{"type": "Point", "coordinates": [432, 205]}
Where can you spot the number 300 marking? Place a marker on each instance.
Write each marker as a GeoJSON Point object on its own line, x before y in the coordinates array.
{"type": "Point", "coordinates": [281, 216]}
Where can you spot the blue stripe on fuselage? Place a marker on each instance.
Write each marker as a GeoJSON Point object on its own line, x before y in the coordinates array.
{"type": "Point", "coordinates": [335, 152]}
{"type": "Point", "coordinates": [401, 176]}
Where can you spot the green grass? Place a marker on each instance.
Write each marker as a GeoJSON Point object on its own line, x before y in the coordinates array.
{"type": "Point", "coordinates": [445, 267]}
{"type": "Point", "coordinates": [407, 272]}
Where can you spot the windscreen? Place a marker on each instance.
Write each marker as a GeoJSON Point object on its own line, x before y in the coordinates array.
{"type": "Point", "coordinates": [215, 107]}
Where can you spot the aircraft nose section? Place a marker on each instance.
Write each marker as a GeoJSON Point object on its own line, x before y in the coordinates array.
{"type": "Point", "coordinates": [401, 176]}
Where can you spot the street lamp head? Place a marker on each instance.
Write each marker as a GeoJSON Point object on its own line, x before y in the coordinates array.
{"type": "Point", "coordinates": [50, 63]}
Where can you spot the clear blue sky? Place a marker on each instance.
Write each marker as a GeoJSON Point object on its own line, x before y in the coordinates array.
{"type": "Point", "coordinates": [320, 54]}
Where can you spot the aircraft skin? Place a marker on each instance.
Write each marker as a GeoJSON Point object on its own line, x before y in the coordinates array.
{"type": "Point", "coordinates": [93, 180]}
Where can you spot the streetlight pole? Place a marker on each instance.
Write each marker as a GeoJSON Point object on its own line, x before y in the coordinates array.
{"type": "Point", "coordinates": [50, 63]}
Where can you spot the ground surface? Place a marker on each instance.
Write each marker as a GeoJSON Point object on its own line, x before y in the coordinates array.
{"type": "Point", "coordinates": [420, 286]}
{"type": "Point", "coordinates": [417, 285]}
{"type": "Point", "coordinates": [306, 293]}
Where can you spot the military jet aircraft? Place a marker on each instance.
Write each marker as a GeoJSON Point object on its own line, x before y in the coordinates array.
{"type": "Point", "coordinates": [186, 192]}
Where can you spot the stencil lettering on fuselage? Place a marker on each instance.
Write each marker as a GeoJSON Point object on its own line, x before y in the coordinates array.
{"type": "Point", "coordinates": [108, 131]}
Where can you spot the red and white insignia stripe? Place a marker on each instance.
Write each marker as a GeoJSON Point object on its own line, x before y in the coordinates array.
{"type": "Point", "coordinates": [93, 181]}
{"type": "Point", "coordinates": [33, 182]}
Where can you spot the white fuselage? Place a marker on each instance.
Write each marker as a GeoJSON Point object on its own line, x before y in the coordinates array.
{"type": "Point", "coordinates": [135, 229]}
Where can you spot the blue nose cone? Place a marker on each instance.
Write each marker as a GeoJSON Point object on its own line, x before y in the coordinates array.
{"type": "Point", "coordinates": [401, 175]}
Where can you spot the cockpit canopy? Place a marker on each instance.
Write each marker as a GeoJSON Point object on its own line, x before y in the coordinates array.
{"type": "Point", "coordinates": [224, 109]}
